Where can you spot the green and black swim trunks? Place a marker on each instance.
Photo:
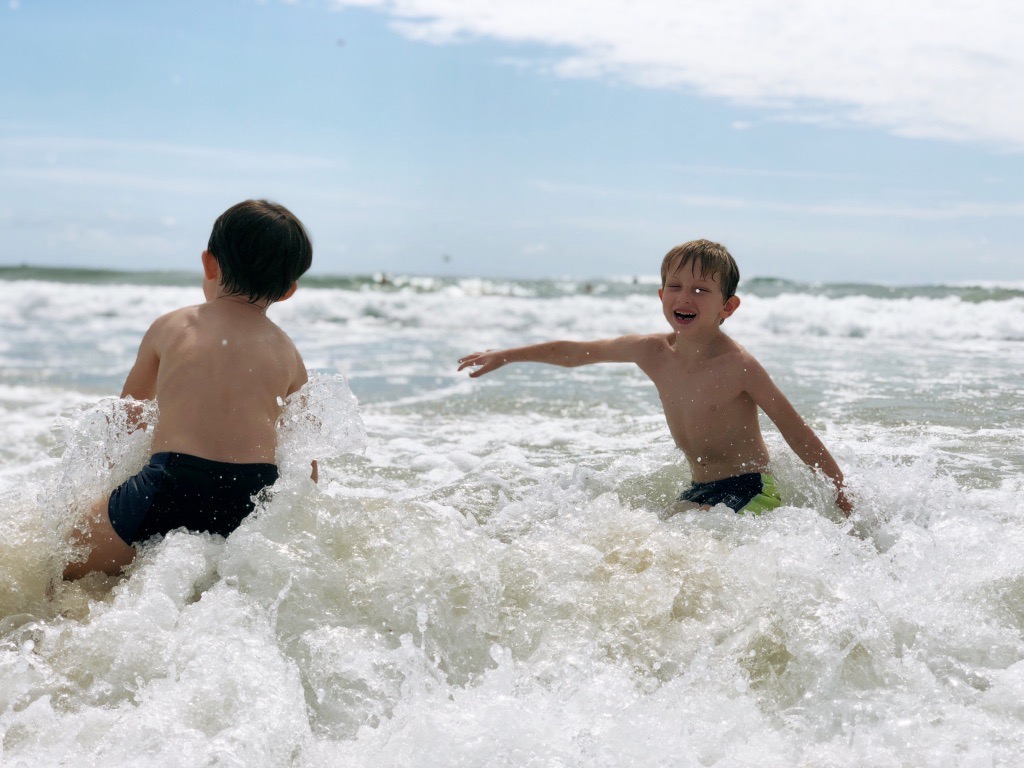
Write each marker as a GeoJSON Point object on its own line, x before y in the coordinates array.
{"type": "Point", "coordinates": [754, 493]}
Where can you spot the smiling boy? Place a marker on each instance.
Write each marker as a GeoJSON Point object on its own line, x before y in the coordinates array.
{"type": "Point", "coordinates": [711, 388]}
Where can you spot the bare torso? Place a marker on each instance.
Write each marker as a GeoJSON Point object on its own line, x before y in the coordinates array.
{"type": "Point", "coordinates": [709, 413]}
{"type": "Point", "coordinates": [222, 370]}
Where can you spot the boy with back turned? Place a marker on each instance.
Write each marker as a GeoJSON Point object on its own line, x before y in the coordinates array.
{"type": "Point", "coordinates": [219, 372]}
{"type": "Point", "coordinates": [711, 388]}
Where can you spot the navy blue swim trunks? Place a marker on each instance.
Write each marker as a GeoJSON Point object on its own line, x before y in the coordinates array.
{"type": "Point", "coordinates": [754, 493]}
{"type": "Point", "coordinates": [176, 490]}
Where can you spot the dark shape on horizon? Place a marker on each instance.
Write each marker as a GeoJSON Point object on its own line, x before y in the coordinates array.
{"type": "Point", "coordinates": [445, 258]}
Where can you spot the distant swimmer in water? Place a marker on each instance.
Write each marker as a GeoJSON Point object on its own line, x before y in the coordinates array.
{"type": "Point", "coordinates": [711, 388]}
{"type": "Point", "coordinates": [219, 372]}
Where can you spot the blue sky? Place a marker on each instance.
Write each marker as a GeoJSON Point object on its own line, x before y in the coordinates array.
{"type": "Point", "coordinates": [834, 141]}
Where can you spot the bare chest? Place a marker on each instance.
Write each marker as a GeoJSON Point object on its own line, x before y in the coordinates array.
{"type": "Point", "coordinates": [696, 389]}
{"type": "Point", "coordinates": [702, 403]}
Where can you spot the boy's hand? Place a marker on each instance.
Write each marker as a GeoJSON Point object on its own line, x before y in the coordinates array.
{"type": "Point", "coordinates": [484, 362]}
{"type": "Point", "coordinates": [844, 503]}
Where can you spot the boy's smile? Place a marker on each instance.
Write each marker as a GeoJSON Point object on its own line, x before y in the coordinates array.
{"type": "Point", "coordinates": [688, 296]}
{"type": "Point", "coordinates": [685, 317]}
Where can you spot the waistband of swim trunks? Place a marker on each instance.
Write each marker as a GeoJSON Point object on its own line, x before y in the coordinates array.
{"type": "Point", "coordinates": [697, 485]}
{"type": "Point", "coordinates": [173, 459]}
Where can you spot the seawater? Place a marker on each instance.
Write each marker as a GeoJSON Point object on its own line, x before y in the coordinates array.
{"type": "Point", "coordinates": [480, 577]}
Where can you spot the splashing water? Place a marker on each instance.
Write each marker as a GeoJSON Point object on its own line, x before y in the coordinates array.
{"type": "Point", "coordinates": [324, 414]}
{"type": "Point", "coordinates": [487, 582]}
{"type": "Point", "coordinates": [120, 664]}
{"type": "Point", "coordinates": [103, 445]}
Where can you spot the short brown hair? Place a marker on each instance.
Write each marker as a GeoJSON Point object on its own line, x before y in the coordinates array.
{"type": "Point", "coordinates": [710, 258]}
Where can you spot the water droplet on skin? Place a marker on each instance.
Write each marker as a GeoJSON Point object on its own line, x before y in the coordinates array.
{"type": "Point", "coordinates": [224, 342]}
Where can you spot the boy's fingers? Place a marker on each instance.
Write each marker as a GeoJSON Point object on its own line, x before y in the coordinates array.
{"type": "Point", "coordinates": [473, 359]}
{"type": "Point", "coordinates": [484, 362]}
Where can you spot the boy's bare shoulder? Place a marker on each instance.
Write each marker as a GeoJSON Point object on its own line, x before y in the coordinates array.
{"type": "Point", "coordinates": [645, 350]}
{"type": "Point", "coordinates": [741, 361]}
{"type": "Point", "coordinates": [651, 340]}
{"type": "Point", "coordinates": [181, 315]}
{"type": "Point", "coordinates": [172, 322]}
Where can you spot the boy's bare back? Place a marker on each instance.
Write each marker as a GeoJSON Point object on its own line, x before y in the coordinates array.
{"type": "Point", "coordinates": [219, 372]}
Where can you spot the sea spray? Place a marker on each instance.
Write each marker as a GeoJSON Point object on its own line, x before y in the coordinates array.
{"type": "Point", "coordinates": [102, 446]}
{"type": "Point", "coordinates": [320, 418]}
{"type": "Point", "coordinates": [98, 445]}
{"type": "Point", "coordinates": [173, 664]}
{"type": "Point", "coordinates": [488, 583]}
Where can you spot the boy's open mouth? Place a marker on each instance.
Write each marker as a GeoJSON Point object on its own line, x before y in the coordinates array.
{"type": "Point", "coordinates": [685, 316]}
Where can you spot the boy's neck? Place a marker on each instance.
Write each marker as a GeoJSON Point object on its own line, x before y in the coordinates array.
{"type": "Point", "coordinates": [700, 347]}
{"type": "Point", "coordinates": [235, 299]}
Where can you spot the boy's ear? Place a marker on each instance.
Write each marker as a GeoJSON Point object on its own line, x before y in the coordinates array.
{"type": "Point", "coordinates": [730, 306]}
{"type": "Point", "coordinates": [211, 267]}
{"type": "Point", "coordinates": [288, 294]}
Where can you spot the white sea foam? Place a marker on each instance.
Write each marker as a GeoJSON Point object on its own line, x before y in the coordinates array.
{"type": "Point", "coordinates": [487, 581]}
{"type": "Point", "coordinates": [915, 319]}
{"type": "Point", "coordinates": [322, 416]}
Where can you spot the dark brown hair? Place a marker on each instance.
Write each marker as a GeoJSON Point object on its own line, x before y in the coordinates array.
{"type": "Point", "coordinates": [262, 248]}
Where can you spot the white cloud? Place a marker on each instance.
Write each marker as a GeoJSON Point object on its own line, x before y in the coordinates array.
{"type": "Point", "coordinates": [949, 70]}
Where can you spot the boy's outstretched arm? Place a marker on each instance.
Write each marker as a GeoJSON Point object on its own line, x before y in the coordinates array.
{"type": "Point", "coordinates": [798, 435]}
{"type": "Point", "coordinates": [569, 354]}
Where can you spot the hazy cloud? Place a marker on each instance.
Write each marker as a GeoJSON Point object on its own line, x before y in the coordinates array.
{"type": "Point", "coordinates": [950, 70]}
{"type": "Point", "coordinates": [53, 147]}
{"type": "Point", "coordinates": [953, 210]}
{"type": "Point", "coordinates": [770, 173]}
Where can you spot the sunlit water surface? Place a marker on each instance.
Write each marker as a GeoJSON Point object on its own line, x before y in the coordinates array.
{"type": "Point", "coordinates": [481, 578]}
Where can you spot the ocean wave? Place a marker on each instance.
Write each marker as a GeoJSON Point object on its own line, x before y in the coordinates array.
{"type": "Point", "coordinates": [609, 287]}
